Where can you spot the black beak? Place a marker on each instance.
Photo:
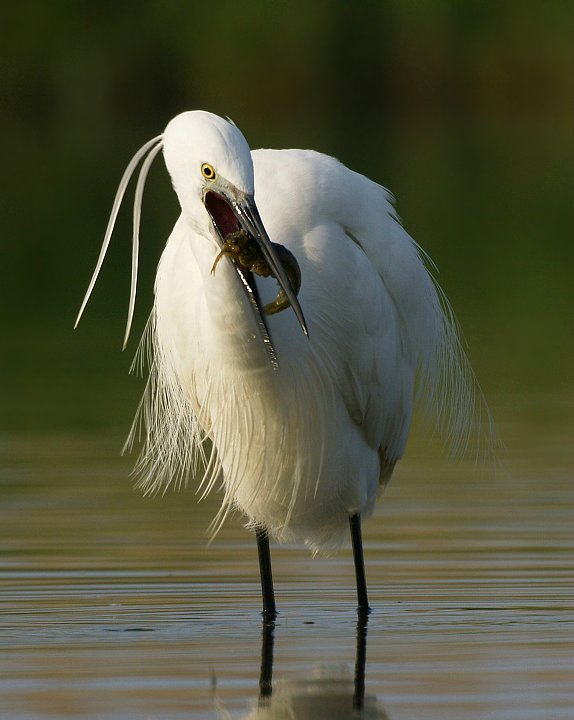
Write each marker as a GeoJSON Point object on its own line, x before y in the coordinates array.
{"type": "Point", "coordinates": [232, 215]}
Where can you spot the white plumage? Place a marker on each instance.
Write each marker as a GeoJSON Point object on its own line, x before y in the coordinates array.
{"type": "Point", "coordinates": [301, 448]}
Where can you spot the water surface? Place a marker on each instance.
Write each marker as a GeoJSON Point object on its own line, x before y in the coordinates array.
{"type": "Point", "coordinates": [115, 606]}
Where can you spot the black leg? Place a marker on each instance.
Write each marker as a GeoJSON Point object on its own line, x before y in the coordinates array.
{"type": "Point", "coordinates": [269, 609]}
{"type": "Point", "coordinates": [355, 524]}
{"type": "Point", "coordinates": [266, 672]}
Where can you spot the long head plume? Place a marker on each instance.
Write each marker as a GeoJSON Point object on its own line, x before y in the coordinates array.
{"type": "Point", "coordinates": [151, 149]}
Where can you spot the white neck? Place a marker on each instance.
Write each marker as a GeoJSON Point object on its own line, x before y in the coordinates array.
{"type": "Point", "coordinates": [228, 334]}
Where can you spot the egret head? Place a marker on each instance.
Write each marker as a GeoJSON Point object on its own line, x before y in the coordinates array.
{"type": "Point", "coordinates": [204, 152]}
{"type": "Point", "coordinates": [210, 165]}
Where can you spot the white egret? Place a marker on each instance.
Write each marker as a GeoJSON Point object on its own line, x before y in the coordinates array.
{"type": "Point", "coordinates": [307, 408]}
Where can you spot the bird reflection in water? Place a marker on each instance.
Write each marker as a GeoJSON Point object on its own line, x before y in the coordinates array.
{"type": "Point", "coordinates": [331, 693]}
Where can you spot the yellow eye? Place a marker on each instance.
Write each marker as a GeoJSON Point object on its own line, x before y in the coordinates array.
{"type": "Point", "coordinates": [208, 171]}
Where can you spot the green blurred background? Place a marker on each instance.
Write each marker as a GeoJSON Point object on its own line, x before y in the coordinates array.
{"type": "Point", "coordinates": [465, 110]}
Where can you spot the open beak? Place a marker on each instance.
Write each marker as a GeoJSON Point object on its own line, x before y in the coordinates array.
{"type": "Point", "coordinates": [233, 211]}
